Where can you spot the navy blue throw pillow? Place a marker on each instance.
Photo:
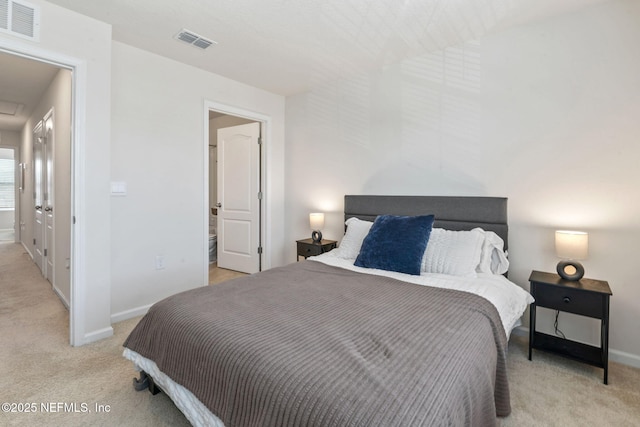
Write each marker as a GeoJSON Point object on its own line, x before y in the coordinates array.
{"type": "Point", "coordinates": [396, 243]}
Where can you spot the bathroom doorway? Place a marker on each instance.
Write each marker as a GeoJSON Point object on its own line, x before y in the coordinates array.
{"type": "Point", "coordinates": [233, 242]}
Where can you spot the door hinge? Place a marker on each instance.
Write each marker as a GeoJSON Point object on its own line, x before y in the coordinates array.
{"type": "Point", "coordinates": [260, 141]}
{"type": "Point", "coordinates": [260, 250]}
{"type": "Point", "coordinates": [45, 252]}
{"type": "Point", "coordinates": [34, 241]}
{"type": "Point", "coordinates": [74, 219]}
{"type": "Point", "coordinates": [259, 195]}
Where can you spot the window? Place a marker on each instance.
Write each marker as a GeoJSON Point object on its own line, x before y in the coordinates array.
{"type": "Point", "coordinates": [7, 184]}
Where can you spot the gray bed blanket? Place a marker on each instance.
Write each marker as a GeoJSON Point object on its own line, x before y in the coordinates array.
{"type": "Point", "coordinates": [314, 345]}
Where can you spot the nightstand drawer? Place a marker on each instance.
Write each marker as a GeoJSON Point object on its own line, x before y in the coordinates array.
{"type": "Point", "coordinates": [570, 300]}
{"type": "Point", "coordinates": [307, 247]}
{"type": "Point", "coordinates": [306, 250]}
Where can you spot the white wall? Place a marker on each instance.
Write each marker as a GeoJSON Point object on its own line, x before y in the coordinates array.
{"type": "Point", "coordinates": [7, 218]}
{"type": "Point", "coordinates": [158, 149]}
{"type": "Point", "coordinates": [545, 114]}
{"type": "Point", "coordinates": [25, 196]}
{"type": "Point", "coordinates": [9, 138]}
{"type": "Point", "coordinates": [71, 38]}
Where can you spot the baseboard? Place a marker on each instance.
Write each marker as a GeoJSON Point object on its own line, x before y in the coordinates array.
{"type": "Point", "coordinates": [520, 331]}
{"type": "Point", "coordinates": [57, 291]}
{"type": "Point", "coordinates": [128, 314]}
{"type": "Point", "coordinates": [617, 356]}
{"type": "Point", "coordinates": [62, 297]}
{"type": "Point", "coordinates": [27, 249]}
{"type": "Point", "coordinates": [628, 359]}
{"type": "Point", "coordinates": [97, 335]}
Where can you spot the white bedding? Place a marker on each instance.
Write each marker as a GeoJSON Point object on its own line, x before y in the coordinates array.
{"type": "Point", "coordinates": [509, 299]}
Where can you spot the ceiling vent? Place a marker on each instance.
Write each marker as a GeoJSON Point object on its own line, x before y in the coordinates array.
{"type": "Point", "coordinates": [20, 19]}
{"type": "Point", "coordinates": [10, 108]}
{"type": "Point", "coordinates": [192, 38]}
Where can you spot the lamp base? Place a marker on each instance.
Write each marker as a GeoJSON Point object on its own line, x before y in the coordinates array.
{"type": "Point", "coordinates": [570, 270]}
{"type": "Point", "coordinates": [316, 236]}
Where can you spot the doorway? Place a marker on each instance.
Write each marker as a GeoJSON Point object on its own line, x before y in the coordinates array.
{"type": "Point", "coordinates": [234, 189]}
{"type": "Point", "coordinates": [42, 124]}
{"type": "Point", "coordinates": [226, 216]}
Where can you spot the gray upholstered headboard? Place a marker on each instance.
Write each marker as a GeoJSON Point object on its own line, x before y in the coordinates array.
{"type": "Point", "coordinates": [452, 213]}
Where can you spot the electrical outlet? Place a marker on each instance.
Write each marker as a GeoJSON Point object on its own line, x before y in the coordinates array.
{"type": "Point", "coordinates": [159, 262]}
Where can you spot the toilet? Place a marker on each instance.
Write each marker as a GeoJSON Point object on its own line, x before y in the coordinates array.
{"type": "Point", "coordinates": [213, 248]}
{"type": "Point", "coordinates": [213, 239]}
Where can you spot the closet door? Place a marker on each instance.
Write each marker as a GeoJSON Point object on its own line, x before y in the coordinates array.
{"type": "Point", "coordinates": [43, 230]}
{"type": "Point", "coordinates": [38, 196]}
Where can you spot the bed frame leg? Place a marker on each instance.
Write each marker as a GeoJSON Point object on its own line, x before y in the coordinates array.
{"type": "Point", "coordinates": [141, 383]}
{"type": "Point", "coordinates": [145, 381]}
{"type": "Point", "coordinates": [153, 387]}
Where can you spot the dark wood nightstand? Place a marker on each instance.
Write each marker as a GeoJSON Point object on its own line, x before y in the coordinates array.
{"type": "Point", "coordinates": [586, 297]}
{"type": "Point", "coordinates": [307, 247]}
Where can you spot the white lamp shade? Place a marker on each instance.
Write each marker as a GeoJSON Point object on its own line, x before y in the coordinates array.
{"type": "Point", "coordinates": [316, 221]}
{"type": "Point", "coordinates": [572, 244]}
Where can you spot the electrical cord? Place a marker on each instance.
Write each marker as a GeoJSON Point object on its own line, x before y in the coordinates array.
{"type": "Point", "coordinates": [558, 332]}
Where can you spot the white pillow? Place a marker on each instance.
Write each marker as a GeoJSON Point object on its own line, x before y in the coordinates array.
{"type": "Point", "coordinates": [357, 230]}
{"type": "Point", "coordinates": [453, 252]}
{"type": "Point", "coordinates": [493, 259]}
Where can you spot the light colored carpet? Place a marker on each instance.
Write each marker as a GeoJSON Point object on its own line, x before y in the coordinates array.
{"type": "Point", "coordinates": [37, 365]}
{"type": "Point", "coordinates": [553, 391]}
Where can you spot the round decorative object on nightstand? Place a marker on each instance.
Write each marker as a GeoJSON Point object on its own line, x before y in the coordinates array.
{"type": "Point", "coordinates": [570, 270]}
{"type": "Point", "coordinates": [316, 236]}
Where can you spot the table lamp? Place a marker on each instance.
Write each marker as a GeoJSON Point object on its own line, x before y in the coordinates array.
{"type": "Point", "coordinates": [571, 246]}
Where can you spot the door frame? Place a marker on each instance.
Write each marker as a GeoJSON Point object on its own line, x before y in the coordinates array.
{"type": "Point", "coordinates": [265, 207]}
{"type": "Point", "coordinates": [78, 68]}
{"type": "Point", "coordinates": [50, 148]}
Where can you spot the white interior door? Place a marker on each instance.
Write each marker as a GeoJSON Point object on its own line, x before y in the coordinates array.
{"type": "Point", "coordinates": [238, 199]}
{"type": "Point", "coordinates": [43, 196]}
{"type": "Point", "coordinates": [48, 196]}
{"type": "Point", "coordinates": [38, 175]}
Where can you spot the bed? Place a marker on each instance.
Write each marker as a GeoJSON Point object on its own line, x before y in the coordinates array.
{"type": "Point", "coordinates": [336, 341]}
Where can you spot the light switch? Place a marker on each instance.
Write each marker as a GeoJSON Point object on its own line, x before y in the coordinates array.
{"type": "Point", "coordinates": [118, 188]}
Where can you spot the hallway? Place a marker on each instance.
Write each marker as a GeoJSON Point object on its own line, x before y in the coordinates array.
{"type": "Point", "coordinates": [39, 366]}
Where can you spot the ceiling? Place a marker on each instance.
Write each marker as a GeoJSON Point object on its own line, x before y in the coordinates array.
{"type": "Point", "coordinates": [283, 46]}
{"type": "Point", "coordinates": [22, 82]}
{"type": "Point", "coordinates": [290, 46]}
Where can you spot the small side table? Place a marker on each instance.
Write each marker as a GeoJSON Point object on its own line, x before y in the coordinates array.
{"type": "Point", "coordinates": [586, 297]}
{"type": "Point", "coordinates": [307, 247]}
